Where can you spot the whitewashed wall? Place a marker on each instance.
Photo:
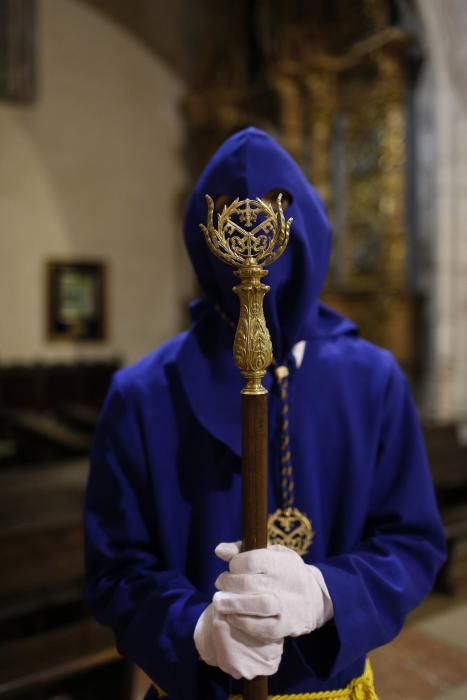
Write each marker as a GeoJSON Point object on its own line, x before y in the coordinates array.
{"type": "Point", "coordinates": [92, 170]}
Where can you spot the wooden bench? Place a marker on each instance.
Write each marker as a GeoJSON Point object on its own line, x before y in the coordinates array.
{"type": "Point", "coordinates": [46, 635]}
{"type": "Point", "coordinates": [43, 659]}
{"type": "Point", "coordinates": [35, 499]}
{"type": "Point", "coordinates": [8, 450]}
{"type": "Point", "coordinates": [83, 416]}
{"type": "Point", "coordinates": [455, 529]}
{"type": "Point", "coordinates": [49, 428]}
{"type": "Point", "coordinates": [448, 460]}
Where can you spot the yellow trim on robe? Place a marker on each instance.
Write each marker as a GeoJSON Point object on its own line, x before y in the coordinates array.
{"type": "Point", "coordinates": [159, 691]}
{"type": "Point", "coordinates": [360, 688]}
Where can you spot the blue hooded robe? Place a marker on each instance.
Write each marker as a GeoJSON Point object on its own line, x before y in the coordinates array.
{"type": "Point", "coordinates": [164, 484]}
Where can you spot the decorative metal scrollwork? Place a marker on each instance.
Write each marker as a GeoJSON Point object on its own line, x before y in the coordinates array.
{"type": "Point", "coordinates": [249, 231]}
{"type": "Point", "coordinates": [250, 234]}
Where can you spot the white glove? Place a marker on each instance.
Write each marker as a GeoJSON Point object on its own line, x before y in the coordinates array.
{"type": "Point", "coordinates": [271, 593]}
{"type": "Point", "coordinates": [233, 651]}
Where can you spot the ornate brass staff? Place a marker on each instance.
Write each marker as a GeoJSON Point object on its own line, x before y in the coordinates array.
{"type": "Point", "coordinates": [250, 234]}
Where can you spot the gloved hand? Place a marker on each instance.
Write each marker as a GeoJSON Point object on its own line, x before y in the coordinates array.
{"type": "Point", "coordinates": [233, 651]}
{"type": "Point", "coordinates": [271, 593]}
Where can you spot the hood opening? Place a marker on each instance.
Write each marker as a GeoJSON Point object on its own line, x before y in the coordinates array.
{"type": "Point", "coordinates": [251, 164]}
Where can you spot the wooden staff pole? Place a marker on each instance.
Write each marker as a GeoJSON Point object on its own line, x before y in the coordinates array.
{"type": "Point", "coordinates": [254, 496]}
{"type": "Point", "coordinates": [251, 234]}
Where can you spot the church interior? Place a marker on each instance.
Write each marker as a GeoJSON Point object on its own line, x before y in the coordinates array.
{"type": "Point", "coordinates": [108, 112]}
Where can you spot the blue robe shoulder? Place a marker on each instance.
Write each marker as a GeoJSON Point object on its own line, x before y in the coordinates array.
{"type": "Point", "coordinates": [164, 489]}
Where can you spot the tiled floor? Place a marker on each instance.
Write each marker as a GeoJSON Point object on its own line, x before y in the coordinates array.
{"type": "Point", "coordinates": [428, 660]}
{"type": "Point", "coordinates": [419, 666]}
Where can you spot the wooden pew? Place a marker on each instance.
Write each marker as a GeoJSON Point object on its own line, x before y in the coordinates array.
{"type": "Point", "coordinates": [455, 529]}
{"type": "Point", "coordinates": [43, 659]}
{"type": "Point", "coordinates": [80, 415]}
{"type": "Point", "coordinates": [49, 429]}
{"type": "Point", "coordinates": [448, 460]}
{"type": "Point", "coordinates": [47, 637]}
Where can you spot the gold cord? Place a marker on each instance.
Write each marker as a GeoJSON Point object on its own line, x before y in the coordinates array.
{"type": "Point", "coordinates": [360, 688]}
{"type": "Point", "coordinates": [287, 526]}
{"type": "Point", "coordinates": [287, 482]}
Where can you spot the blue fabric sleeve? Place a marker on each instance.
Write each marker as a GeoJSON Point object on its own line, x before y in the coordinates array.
{"type": "Point", "coordinates": [374, 587]}
{"type": "Point", "coordinates": [152, 611]}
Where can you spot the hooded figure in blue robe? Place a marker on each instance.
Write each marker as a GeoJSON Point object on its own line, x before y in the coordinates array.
{"type": "Point", "coordinates": [165, 484]}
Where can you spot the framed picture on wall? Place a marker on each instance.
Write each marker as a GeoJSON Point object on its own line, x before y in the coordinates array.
{"type": "Point", "coordinates": [76, 300]}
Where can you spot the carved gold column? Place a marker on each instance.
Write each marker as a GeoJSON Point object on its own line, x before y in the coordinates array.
{"type": "Point", "coordinates": [290, 108]}
{"type": "Point", "coordinates": [391, 95]}
{"type": "Point", "coordinates": [320, 88]}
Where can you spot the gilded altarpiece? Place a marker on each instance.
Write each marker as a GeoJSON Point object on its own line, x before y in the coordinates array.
{"type": "Point", "coordinates": [329, 80]}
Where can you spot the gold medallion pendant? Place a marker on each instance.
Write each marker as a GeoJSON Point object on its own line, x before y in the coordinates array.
{"type": "Point", "coordinates": [291, 528]}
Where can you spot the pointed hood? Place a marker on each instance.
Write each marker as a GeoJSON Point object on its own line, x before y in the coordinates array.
{"type": "Point", "coordinates": [251, 164]}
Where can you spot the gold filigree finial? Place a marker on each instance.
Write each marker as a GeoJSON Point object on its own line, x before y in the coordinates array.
{"type": "Point", "coordinates": [250, 234]}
